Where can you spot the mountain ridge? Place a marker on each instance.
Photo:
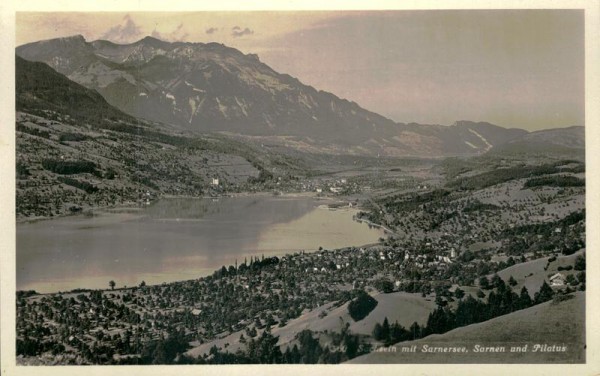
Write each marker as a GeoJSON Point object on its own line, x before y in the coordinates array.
{"type": "Point", "coordinates": [210, 87]}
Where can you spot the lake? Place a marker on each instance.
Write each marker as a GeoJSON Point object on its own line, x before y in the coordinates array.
{"type": "Point", "coordinates": [176, 239]}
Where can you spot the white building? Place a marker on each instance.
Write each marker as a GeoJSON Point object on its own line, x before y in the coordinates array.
{"type": "Point", "coordinates": [557, 279]}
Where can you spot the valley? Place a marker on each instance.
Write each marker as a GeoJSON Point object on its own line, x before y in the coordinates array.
{"type": "Point", "coordinates": [452, 236]}
{"type": "Point", "coordinates": [371, 233]}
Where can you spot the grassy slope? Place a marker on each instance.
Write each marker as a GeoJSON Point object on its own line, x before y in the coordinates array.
{"type": "Point", "coordinates": [399, 306]}
{"type": "Point", "coordinates": [549, 323]}
{"type": "Point", "coordinates": [402, 307]}
{"type": "Point", "coordinates": [520, 272]}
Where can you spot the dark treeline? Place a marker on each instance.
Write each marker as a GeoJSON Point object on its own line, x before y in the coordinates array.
{"type": "Point", "coordinates": [555, 181]}
{"type": "Point", "coordinates": [69, 136]}
{"type": "Point", "coordinates": [469, 310]}
{"type": "Point", "coordinates": [33, 131]}
{"type": "Point", "coordinates": [83, 185]}
{"type": "Point", "coordinates": [68, 167]}
{"type": "Point", "coordinates": [476, 206]}
{"type": "Point", "coordinates": [546, 229]}
{"type": "Point", "coordinates": [501, 175]}
{"type": "Point", "coordinates": [307, 349]}
{"type": "Point", "coordinates": [412, 201]}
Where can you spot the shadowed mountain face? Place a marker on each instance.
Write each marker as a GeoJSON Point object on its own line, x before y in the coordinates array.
{"type": "Point", "coordinates": [211, 88]}
{"type": "Point", "coordinates": [39, 87]}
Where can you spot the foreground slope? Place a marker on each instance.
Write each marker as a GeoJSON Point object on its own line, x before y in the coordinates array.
{"type": "Point", "coordinates": [550, 323]}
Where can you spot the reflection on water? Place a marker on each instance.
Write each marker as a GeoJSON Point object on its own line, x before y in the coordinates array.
{"type": "Point", "coordinates": [175, 239]}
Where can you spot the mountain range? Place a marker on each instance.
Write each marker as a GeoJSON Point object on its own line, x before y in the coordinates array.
{"type": "Point", "coordinates": [214, 88]}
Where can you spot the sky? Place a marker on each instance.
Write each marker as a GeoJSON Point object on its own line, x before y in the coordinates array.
{"type": "Point", "coordinates": [513, 68]}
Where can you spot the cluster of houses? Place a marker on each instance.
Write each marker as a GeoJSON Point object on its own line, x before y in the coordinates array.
{"type": "Point", "coordinates": [335, 186]}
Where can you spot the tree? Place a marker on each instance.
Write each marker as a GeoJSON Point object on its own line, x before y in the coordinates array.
{"type": "Point", "coordinates": [484, 283]}
{"type": "Point", "coordinates": [524, 298]}
{"type": "Point", "coordinates": [415, 331]}
{"type": "Point", "coordinates": [310, 347]}
{"type": "Point", "coordinates": [571, 280]}
{"type": "Point", "coordinates": [384, 285]}
{"type": "Point", "coordinates": [360, 307]}
{"type": "Point", "coordinates": [264, 349]}
{"type": "Point", "coordinates": [497, 282]}
{"type": "Point", "coordinates": [232, 270]}
{"type": "Point", "coordinates": [546, 293]}
{"type": "Point", "coordinates": [440, 302]}
{"type": "Point", "coordinates": [439, 321]}
{"type": "Point", "coordinates": [398, 333]}
{"type": "Point", "coordinates": [385, 329]}
{"type": "Point", "coordinates": [377, 332]}
{"type": "Point", "coordinates": [458, 293]}
{"type": "Point", "coordinates": [580, 263]}
{"type": "Point", "coordinates": [143, 283]}
{"type": "Point", "coordinates": [480, 294]}
{"type": "Point", "coordinates": [512, 281]}
{"type": "Point", "coordinates": [112, 284]}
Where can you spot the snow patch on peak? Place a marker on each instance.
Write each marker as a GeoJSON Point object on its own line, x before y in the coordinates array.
{"type": "Point", "coordinates": [488, 146]}
{"type": "Point", "coordinates": [194, 87]}
{"type": "Point", "coordinates": [242, 105]}
{"type": "Point", "coordinates": [471, 145]}
{"type": "Point", "coordinates": [192, 103]}
{"type": "Point", "coordinates": [172, 98]}
{"type": "Point", "coordinates": [222, 108]}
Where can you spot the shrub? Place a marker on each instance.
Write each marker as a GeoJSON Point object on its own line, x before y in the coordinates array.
{"type": "Point", "coordinates": [68, 167]}
{"type": "Point", "coordinates": [384, 286]}
{"type": "Point", "coordinates": [360, 307]}
{"type": "Point", "coordinates": [83, 185]}
{"type": "Point", "coordinates": [72, 137]}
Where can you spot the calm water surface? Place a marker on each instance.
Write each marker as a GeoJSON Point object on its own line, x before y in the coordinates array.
{"type": "Point", "coordinates": [175, 239]}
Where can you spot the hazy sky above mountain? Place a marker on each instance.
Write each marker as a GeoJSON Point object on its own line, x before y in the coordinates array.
{"type": "Point", "coordinates": [521, 68]}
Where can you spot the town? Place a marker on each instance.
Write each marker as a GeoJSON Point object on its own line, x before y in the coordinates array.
{"type": "Point", "coordinates": [451, 257]}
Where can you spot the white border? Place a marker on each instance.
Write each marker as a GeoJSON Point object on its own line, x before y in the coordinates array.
{"type": "Point", "coordinates": [7, 183]}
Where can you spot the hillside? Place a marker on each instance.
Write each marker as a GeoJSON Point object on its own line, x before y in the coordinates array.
{"type": "Point", "coordinates": [566, 318]}
{"type": "Point", "coordinates": [39, 86]}
{"type": "Point", "coordinates": [213, 88]}
{"type": "Point", "coordinates": [75, 151]}
{"type": "Point", "coordinates": [568, 141]}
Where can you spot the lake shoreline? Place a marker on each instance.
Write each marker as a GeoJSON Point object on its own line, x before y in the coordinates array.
{"type": "Point", "coordinates": [79, 290]}
{"type": "Point", "coordinates": [138, 205]}
{"type": "Point", "coordinates": [186, 237]}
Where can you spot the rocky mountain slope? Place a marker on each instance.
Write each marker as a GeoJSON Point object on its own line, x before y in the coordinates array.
{"type": "Point", "coordinates": [214, 88]}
